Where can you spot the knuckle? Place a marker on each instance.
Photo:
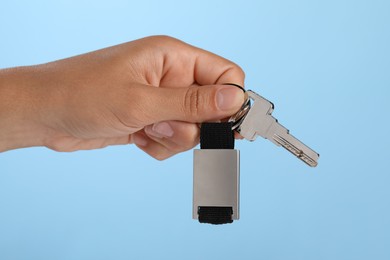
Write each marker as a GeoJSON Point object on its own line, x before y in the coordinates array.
{"type": "Point", "coordinates": [55, 147]}
{"type": "Point", "coordinates": [190, 138]}
{"type": "Point", "coordinates": [241, 72]}
{"type": "Point", "coordinates": [158, 152]}
{"type": "Point", "coordinates": [163, 39]}
{"type": "Point", "coordinates": [192, 101]}
{"type": "Point", "coordinates": [60, 145]}
{"type": "Point", "coordinates": [161, 156]}
{"type": "Point", "coordinates": [238, 73]}
{"type": "Point", "coordinates": [233, 74]}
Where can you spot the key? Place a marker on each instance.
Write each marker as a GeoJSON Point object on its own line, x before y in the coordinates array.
{"type": "Point", "coordinates": [258, 121]}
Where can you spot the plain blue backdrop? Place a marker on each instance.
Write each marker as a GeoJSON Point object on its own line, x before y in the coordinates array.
{"type": "Point", "coordinates": [324, 64]}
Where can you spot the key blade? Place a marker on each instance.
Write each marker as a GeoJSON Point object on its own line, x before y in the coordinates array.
{"type": "Point", "coordinates": [279, 135]}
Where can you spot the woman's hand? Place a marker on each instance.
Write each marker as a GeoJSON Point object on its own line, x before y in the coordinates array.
{"type": "Point", "coordinates": [151, 92]}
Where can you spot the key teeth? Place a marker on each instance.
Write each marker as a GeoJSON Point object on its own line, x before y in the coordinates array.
{"type": "Point", "coordinates": [295, 151]}
{"type": "Point", "coordinates": [306, 159]}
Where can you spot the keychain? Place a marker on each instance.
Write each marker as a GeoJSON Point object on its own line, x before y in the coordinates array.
{"type": "Point", "coordinates": [217, 163]}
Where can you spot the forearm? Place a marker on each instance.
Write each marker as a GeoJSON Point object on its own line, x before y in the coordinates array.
{"type": "Point", "coordinates": [19, 110]}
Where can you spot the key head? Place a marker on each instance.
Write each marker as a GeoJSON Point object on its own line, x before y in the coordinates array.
{"type": "Point", "coordinates": [258, 120]}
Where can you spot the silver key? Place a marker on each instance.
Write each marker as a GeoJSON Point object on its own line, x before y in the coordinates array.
{"type": "Point", "coordinates": [258, 120]}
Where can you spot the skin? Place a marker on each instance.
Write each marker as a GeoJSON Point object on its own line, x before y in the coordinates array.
{"type": "Point", "coordinates": [152, 92]}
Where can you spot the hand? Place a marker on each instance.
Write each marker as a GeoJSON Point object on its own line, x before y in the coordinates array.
{"type": "Point", "coordinates": [151, 92]}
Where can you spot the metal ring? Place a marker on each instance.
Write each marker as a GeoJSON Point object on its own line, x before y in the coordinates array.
{"type": "Point", "coordinates": [238, 117]}
{"type": "Point", "coordinates": [236, 85]}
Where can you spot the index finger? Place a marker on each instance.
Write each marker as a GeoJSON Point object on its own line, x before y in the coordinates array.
{"type": "Point", "coordinates": [185, 65]}
{"type": "Point", "coordinates": [211, 69]}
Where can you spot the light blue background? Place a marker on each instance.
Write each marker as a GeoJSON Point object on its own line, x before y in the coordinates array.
{"type": "Point", "coordinates": [324, 64]}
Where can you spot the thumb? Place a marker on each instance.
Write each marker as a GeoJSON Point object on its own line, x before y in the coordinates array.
{"type": "Point", "coordinates": [192, 104]}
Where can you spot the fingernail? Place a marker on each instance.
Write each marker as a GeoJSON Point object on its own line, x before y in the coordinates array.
{"type": "Point", "coordinates": [163, 129]}
{"type": "Point", "coordinates": [140, 140]}
{"type": "Point", "coordinates": [229, 98]}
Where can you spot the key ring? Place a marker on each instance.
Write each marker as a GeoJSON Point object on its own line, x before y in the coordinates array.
{"type": "Point", "coordinates": [238, 117]}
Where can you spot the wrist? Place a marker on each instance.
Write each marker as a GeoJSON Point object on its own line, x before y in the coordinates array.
{"type": "Point", "coordinates": [19, 110]}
